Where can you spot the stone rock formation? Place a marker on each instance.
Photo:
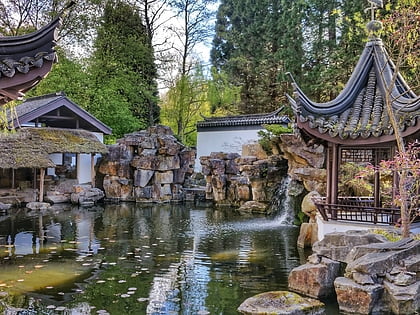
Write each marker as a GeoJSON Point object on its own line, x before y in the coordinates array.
{"type": "Point", "coordinates": [282, 303]}
{"type": "Point", "coordinates": [380, 276]}
{"type": "Point", "coordinates": [305, 161]}
{"type": "Point", "coordinates": [246, 181]}
{"type": "Point", "coordinates": [147, 166]}
{"type": "Point", "coordinates": [86, 195]}
{"type": "Point", "coordinates": [316, 278]}
{"type": "Point", "coordinates": [308, 234]}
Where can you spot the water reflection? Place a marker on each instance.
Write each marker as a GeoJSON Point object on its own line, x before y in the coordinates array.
{"type": "Point", "coordinates": [127, 258]}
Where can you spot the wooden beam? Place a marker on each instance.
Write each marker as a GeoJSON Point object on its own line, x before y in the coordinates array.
{"type": "Point", "coordinates": [58, 117]}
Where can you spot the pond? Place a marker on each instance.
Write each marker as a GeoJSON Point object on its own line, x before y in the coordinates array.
{"type": "Point", "coordinates": [141, 259]}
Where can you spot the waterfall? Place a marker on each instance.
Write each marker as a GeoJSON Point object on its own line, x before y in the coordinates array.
{"type": "Point", "coordinates": [281, 204]}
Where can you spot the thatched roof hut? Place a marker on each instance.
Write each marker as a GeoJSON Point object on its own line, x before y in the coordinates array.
{"type": "Point", "coordinates": [30, 147]}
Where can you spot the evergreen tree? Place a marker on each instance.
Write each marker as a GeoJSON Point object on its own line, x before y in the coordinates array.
{"type": "Point", "coordinates": [123, 62]}
{"type": "Point", "coordinates": [256, 43]}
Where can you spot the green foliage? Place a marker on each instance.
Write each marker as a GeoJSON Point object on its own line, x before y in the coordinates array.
{"type": "Point", "coordinates": [255, 44]}
{"type": "Point", "coordinates": [222, 95]}
{"type": "Point", "coordinates": [271, 132]}
{"type": "Point", "coordinates": [182, 105]}
{"type": "Point", "coordinates": [351, 183]}
{"type": "Point", "coordinates": [123, 71]}
{"type": "Point", "coordinates": [389, 235]}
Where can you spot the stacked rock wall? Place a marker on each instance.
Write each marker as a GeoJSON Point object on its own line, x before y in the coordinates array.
{"type": "Point", "coordinates": [237, 180]}
{"type": "Point", "coordinates": [147, 166]}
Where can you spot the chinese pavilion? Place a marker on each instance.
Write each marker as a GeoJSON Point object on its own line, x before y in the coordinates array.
{"type": "Point", "coordinates": [355, 126]}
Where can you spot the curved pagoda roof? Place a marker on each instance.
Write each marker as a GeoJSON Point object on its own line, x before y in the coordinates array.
{"type": "Point", "coordinates": [25, 60]}
{"type": "Point", "coordinates": [358, 115]}
{"type": "Point", "coordinates": [244, 120]}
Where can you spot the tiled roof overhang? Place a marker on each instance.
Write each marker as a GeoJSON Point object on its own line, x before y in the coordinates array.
{"type": "Point", "coordinates": [25, 60]}
{"type": "Point", "coordinates": [359, 115]}
{"type": "Point", "coordinates": [244, 120]}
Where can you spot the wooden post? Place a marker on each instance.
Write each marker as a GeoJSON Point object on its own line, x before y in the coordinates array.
{"type": "Point", "coordinates": [41, 184]}
{"type": "Point", "coordinates": [13, 178]}
{"type": "Point", "coordinates": [92, 169]}
{"type": "Point", "coordinates": [377, 183]}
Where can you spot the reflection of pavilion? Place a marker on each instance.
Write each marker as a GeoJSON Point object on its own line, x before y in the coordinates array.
{"type": "Point", "coordinates": [35, 233]}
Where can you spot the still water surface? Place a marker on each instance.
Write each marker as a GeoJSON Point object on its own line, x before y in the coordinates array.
{"type": "Point", "coordinates": [137, 259]}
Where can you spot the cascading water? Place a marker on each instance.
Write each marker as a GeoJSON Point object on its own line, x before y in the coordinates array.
{"type": "Point", "coordinates": [282, 204]}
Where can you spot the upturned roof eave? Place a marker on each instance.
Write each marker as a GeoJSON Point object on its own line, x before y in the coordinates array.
{"type": "Point", "coordinates": [384, 139]}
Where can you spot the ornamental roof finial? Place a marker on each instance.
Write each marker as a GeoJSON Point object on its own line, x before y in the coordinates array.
{"type": "Point", "coordinates": [374, 26]}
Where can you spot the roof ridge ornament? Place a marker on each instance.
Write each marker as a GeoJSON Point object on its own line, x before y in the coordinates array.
{"type": "Point", "coordinates": [374, 26]}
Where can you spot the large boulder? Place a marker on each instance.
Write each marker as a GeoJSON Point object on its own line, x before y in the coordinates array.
{"type": "Point", "coordinates": [355, 298]}
{"type": "Point", "coordinates": [403, 299]}
{"type": "Point", "coordinates": [315, 278]}
{"type": "Point", "coordinates": [281, 303]}
{"type": "Point", "coordinates": [86, 195]}
{"type": "Point", "coordinates": [386, 256]}
{"type": "Point", "coordinates": [337, 245]}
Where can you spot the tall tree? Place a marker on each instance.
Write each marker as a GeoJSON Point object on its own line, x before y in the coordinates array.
{"type": "Point", "coordinates": [78, 22]}
{"type": "Point", "coordinates": [256, 43]}
{"type": "Point", "coordinates": [185, 97]}
{"type": "Point", "coordinates": [183, 104]}
{"type": "Point", "coordinates": [194, 17]}
{"type": "Point", "coordinates": [123, 62]}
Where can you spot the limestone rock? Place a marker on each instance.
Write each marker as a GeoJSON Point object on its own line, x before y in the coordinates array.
{"type": "Point", "coordinates": [380, 263]}
{"type": "Point", "coordinates": [337, 245]}
{"type": "Point", "coordinates": [359, 299]}
{"type": "Point", "coordinates": [253, 207]}
{"type": "Point", "coordinates": [315, 280]}
{"type": "Point", "coordinates": [308, 205]}
{"type": "Point", "coordinates": [378, 247]}
{"type": "Point", "coordinates": [86, 195]}
{"type": "Point", "coordinates": [52, 197]}
{"type": "Point", "coordinates": [308, 235]}
{"type": "Point", "coordinates": [281, 303]}
{"type": "Point", "coordinates": [254, 149]}
{"type": "Point", "coordinates": [5, 206]}
{"type": "Point", "coordinates": [403, 299]}
{"type": "Point", "coordinates": [38, 205]}
{"type": "Point", "coordinates": [164, 177]}
{"type": "Point", "coordinates": [142, 177]}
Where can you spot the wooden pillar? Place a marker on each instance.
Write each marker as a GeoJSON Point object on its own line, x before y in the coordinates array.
{"type": "Point", "coordinates": [92, 169]}
{"type": "Point", "coordinates": [329, 173]}
{"type": "Point", "coordinates": [41, 184]}
{"type": "Point", "coordinates": [377, 183]}
{"type": "Point", "coordinates": [13, 178]}
{"type": "Point", "coordinates": [335, 163]}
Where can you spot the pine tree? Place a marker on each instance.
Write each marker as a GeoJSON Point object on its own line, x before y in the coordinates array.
{"type": "Point", "coordinates": [256, 43]}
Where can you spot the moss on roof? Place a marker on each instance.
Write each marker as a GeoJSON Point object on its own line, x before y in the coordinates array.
{"type": "Point", "coordinates": [29, 147]}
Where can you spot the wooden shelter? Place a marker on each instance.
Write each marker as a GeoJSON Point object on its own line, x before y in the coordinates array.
{"type": "Point", "coordinates": [355, 127]}
{"type": "Point", "coordinates": [25, 60]}
{"type": "Point", "coordinates": [52, 134]}
{"type": "Point", "coordinates": [30, 149]}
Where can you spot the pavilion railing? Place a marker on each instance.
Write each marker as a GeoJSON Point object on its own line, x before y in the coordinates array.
{"type": "Point", "coordinates": [358, 209]}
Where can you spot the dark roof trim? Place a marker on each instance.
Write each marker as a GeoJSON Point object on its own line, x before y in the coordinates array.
{"type": "Point", "coordinates": [22, 55]}
{"type": "Point", "coordinates": [244, 120]}
{"type": "Point", "coordinates": [348, 141]}
{"type": "Point", "coordinates": [46, 103]}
